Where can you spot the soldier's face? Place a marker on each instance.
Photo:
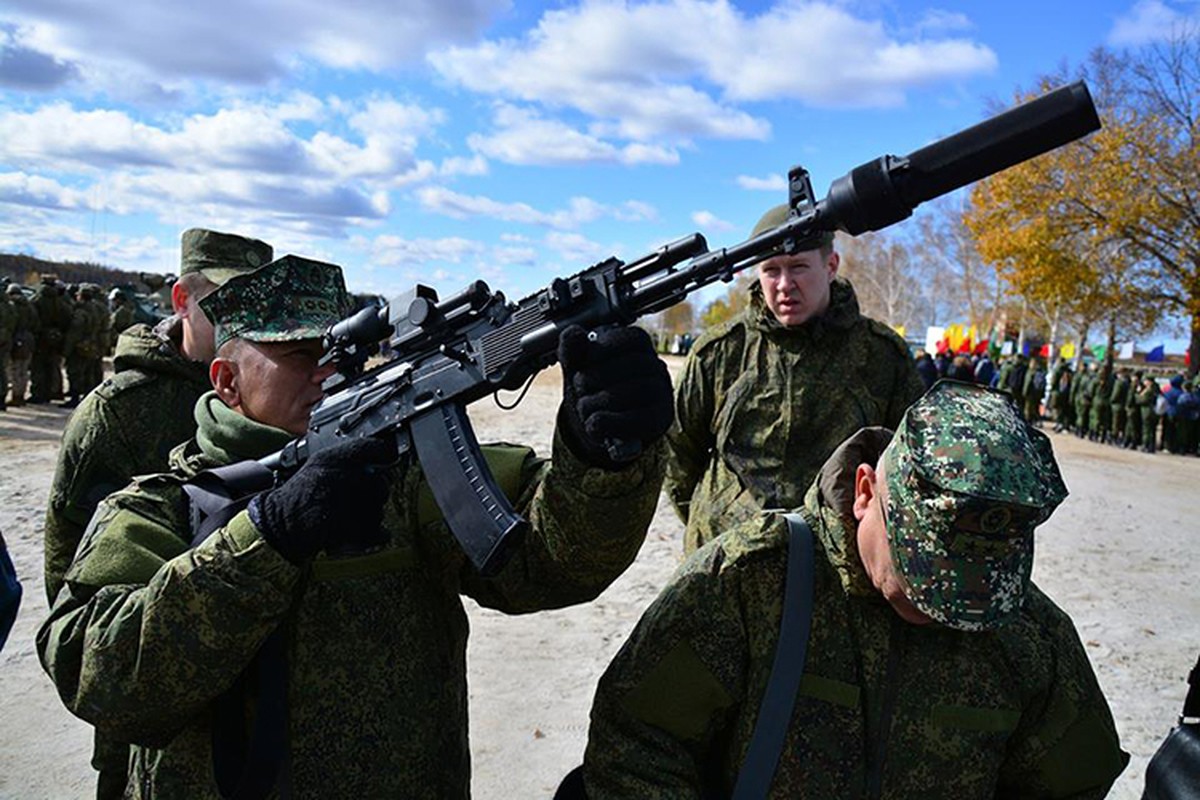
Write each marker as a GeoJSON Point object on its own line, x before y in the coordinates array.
{"type": "Point", "coordinates": [796, 287]}
{"type": "Point", "coordinates": [275, 383]}
{"type": "Point", "coordinates": [870, 500]}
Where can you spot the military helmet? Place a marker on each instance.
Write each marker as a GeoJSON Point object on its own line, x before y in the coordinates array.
{"type": "Point", "coordinates": [13, 289]}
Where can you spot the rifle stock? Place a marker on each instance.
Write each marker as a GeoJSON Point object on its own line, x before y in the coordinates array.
{"type": "Point", "coordinates": [447, 354]}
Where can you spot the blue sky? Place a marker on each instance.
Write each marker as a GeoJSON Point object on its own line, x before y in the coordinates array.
{"type": "Point", "coordinates": [444, 140]}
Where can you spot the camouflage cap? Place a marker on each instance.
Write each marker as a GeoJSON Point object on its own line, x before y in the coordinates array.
{"type": "Point", "coordinates": [288, 299]}
{"type": "Point", "coordinates": [968, 480]}
{"type": "Point", "coordinates": [220, 256]}
{"type": "Point", "coordinates": [777, 216]}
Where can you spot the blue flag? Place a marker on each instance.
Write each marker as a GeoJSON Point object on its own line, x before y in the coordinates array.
{"type": "Point", "coordinates": [1157, 354]}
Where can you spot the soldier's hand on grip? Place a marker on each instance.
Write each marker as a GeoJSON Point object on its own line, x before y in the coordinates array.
{"type": "Point", "coordinates": [334, 502]}
{"type": "Point", "coordinates": [616, 394]}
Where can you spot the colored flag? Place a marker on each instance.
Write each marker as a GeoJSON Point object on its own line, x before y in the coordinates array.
{"type": "Point", "coordinates": [1045, 351]}
{"type": "Point", "coordinates": [1156, 355]}
{"type": "Point", "coordinates": [1099, 351]}
{"type": "Point", "coordinates": [981, 348]}
{"type": "Point", "coordinates": [1068, 350]}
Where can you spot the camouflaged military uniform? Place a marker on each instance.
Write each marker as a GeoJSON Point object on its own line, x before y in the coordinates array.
{"type": "Point", "coordinates": [8, 329]}
{"type": "Point", "coordinates": [23, 344]}
{"type": "Point", "coordinates": [760, 407]}
{"type": "Point", "coordinates": [885, 709]}
{"type": "Point", "coordinates": [126, 427]}
{"type": "Point", "coordinates": [376, 643]}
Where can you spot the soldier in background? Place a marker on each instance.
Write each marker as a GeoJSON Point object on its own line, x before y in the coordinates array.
{"type": "Point", "coordinates": [8, 328]}
{"type": "Point", "coordinates": [78, 344]}
{"type": "Point", "coordinates": [1060, 398]}
{"type": "Point", "coordinates": [54, 318]}
{"type": "Point", "coordinates": [1117, 400]}
{"type": "Point", "coordinates": [1083, 402]}
{"type": "Point", "coordinates": [1147, 399]}
{"type": "Point", "coordinates": [121, 314]}
{"type": "Point", "coordinates": [935, 668]}
{"type": "Point", "coordinates": [130, 423]}
{"type": "Point", "coordinates": [1034, 390]}
{"type": "Point", "coordinates": [24, 343]}
{"type": "Point", "coordinates": [766, 397]}
{"type": "Point", "coordinates": [1133, 416]}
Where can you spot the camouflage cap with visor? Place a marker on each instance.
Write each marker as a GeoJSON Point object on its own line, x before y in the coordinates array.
{"type": "Point", "coordinates": [289, 299]}
{"type": "Point", "coordinates": [968, 480]}
{"type": "Point", "coordinates": [777, 216]}
{"type": "Point", "coordinates": [220, 256]}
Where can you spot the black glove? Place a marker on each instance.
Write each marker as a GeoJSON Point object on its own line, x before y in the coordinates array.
{"type": "Point", "coordinates": [334, 502]}
{"type": "Point", "coordinates": [616, 394]}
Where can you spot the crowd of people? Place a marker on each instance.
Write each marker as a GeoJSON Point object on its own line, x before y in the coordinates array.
{"type": "Point", "coordinates": [1127, 407]}
{"type": "Point", "coordinates": [61, 327]}
{"type": "Point", "coordinates": [854, 616]}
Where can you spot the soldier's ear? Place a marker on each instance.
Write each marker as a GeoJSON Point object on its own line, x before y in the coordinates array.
{"type": "Point", "coordinates": [223, 373]}
{"type": "Point", "coordinates": [864, 489]}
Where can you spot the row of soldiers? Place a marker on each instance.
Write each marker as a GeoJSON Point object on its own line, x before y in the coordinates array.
{"type": "Point", "coordinates": [61, 326]}
{"type": "Point", "coordinates": [1126, 408]}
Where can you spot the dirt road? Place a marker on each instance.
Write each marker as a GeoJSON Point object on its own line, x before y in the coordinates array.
{"type": "Point", "coordinates": [1119, 556]}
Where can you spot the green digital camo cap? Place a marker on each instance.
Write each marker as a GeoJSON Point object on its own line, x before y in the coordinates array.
{"type": "Point", "coordinates": [220, 256]}
{"type": "Point", "coordinates": [288, 299]}
{"type": "Point", "coordinates": [777, 216]}
{"type": "Point", "coordinates": [968, 481]}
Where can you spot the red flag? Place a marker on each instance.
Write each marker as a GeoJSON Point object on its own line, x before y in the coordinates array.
{"type": "Point", "coordinates": [965, 347]}
{"type": "Point", "coordinates": [1045, 351]}
{"type": "Point", "coordinates": [981, 348]}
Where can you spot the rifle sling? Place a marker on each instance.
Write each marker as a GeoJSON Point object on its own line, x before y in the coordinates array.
{"type": "Point", "coordinates": [244, 770]}
{"type": "Point", "coordinates": [775, 710]}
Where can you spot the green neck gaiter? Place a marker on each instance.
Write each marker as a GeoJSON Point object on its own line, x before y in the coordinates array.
{"type": "Point", "coordinates": [226, 436]}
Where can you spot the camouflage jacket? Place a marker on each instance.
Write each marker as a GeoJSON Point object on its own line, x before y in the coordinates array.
{"type": "Point", "coordinates": [146, 633]}
{"type": "Point", "coordinates": [27, 326]}
{"type": "Point", "coordinates": [8, 326]}
{"type": "Point", "coordinates": [885, 709]}
{"type": "Point", "coordinates": [760, 406]}
{"type": "Point", "coordinates": [125, 427]}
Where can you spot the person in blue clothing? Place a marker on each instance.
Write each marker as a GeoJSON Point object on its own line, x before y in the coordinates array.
{"type": "Point", "coordinates": [10, 593]}
{"type": "Point", "coordinates": [1187, 418]}
{"type": "Point", "coordinates": [1170, 433]}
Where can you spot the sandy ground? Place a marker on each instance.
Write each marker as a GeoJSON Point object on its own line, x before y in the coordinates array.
{"type": "Point", "coordinates": [1119, 556]}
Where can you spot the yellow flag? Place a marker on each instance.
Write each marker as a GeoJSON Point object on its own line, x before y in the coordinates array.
{"type": "Point", "coordinates": [1068, 350]}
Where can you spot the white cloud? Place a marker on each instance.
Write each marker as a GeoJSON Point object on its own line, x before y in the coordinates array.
{"type": "Point", "coordinates": [771, 183]}
{"type": "Point", "coordinates": [674, 68]}
{"type": "Point", "coordinates": [575, 248]}
{"type": "Point", "coordinates": [1147, 22]}
{"type": "Point", "coordinates": [249, 157]}
{"type": "Point", "coordinates": [240, 41]}
{"type": "Point", "coordinates": [397, 251]}
{"type": "Point", "coordinates": [580, 210]}
{"type": "Point", "coordinates": [522, 136]}
{"type": "Point", "coordinates": [711, 222]}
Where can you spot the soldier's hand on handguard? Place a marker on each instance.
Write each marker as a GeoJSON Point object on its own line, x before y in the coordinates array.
{"type": "Point", "coordinates": [334, 502]}
{"type": "Point", "coordinates": [617, 395]}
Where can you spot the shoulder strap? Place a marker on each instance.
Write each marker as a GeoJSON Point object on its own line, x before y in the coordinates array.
{"type": "Point", "coordinates": [775, 710]}
{"type": "Point", "coordinates": [216, 495]}
{"type": "Point", "coordinates": [244, 770]}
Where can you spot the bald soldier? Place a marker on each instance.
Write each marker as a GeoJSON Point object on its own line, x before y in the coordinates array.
{"type": "Point", "coordinates": [347, 569]}
{"type": "Point", "coordinates": [128, 425]}
{"type": "Point", "coordinates": [935, 667]}
{"type": "Point", "coordinates": [765, 398]}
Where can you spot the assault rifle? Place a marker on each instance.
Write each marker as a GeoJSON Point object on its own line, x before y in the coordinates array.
{"type": "Point", "coordinates": [449, 353]}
